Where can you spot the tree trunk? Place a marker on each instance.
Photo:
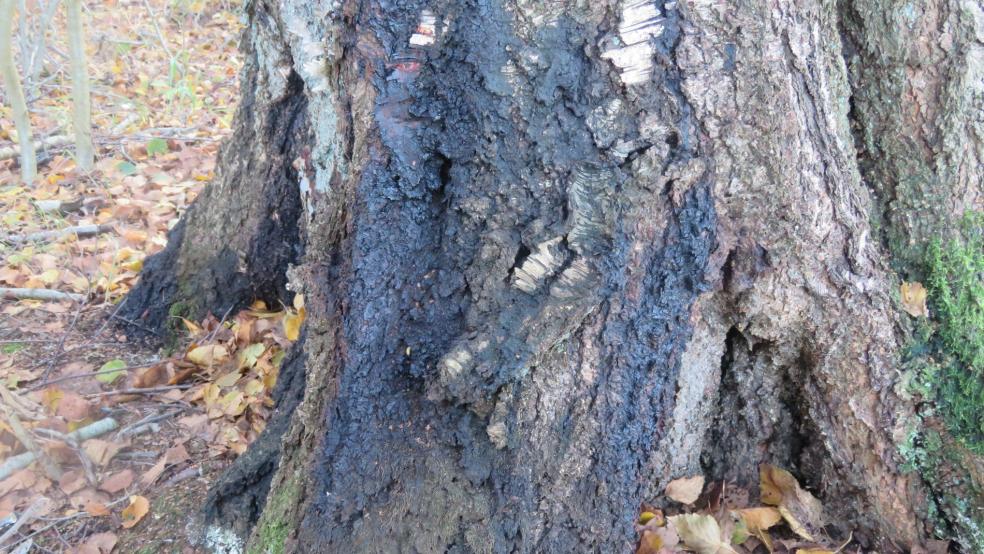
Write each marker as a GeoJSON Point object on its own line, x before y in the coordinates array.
{"type": "Point", "coordinates": [556, 254]}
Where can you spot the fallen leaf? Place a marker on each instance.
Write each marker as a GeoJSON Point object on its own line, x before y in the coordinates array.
{"type": "Point", "coordinates": [208, 355]}
{"type": "Point", "coordinates": [813, 551]}
{"type": "Point", "coordinates": [700, 533]}
{"type": "Point", "coordinates": [228, 380]}
{"type": "Point", "coordinates": [71, 481]}
{"type": "Point", "coordinates": [21, 480]}
{"type": "Point", "coordinates": [685, 490]}
{"type": "Point", "coordinates": [132, 514]}
{"type": "Point", "coordinates": [99, 543]}
{"type": "Point", "coordinates": [117, 482]}
{"type": "Point", "coordinates": [73, 407]}
{"type": "Point", "coordinates": [657, 540]}
{"type": "Point", "coordinates": [292, 324]}
{"type": "Point", "coordinates": [110, 366]}
{"type": "Point", "coordinates": [100, 451]}
{"type": "Point", "coordinates": [760, 518]}
{"type": "Point", "coordinates": [914, 299]}
{"type": "Point", "coordinates": [801, 510]}
{"type": "Point", "coordinates": [176, 454]}
{"type": "Point", "coordinates": [95, 509]}
{"type": "Point", "coordinates": [249, 355]}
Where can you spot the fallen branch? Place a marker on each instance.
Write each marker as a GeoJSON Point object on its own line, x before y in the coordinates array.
{"type": "Point", "coordinates": [55, 141]}
{"type": "Point", "coordinates": [39, 294]}
{"type": "Point", "coordinates": [51, 468]}
{"type": "Point", "coordinates": [90, 431]}
{"type": "Point", "coordinates": [126, 369]}
{"type": "Point", "coordinates": [29, 515]}
{"type": "Point", "coordinates": [149, 390]}
{"type": "Point", "coordinates": [82, 231]}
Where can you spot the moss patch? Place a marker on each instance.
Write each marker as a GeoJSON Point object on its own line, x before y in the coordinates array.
{"type": "Point", "coordinates": [276, 523]}
{"type": "Point", "coordinates": [956, 286]}
{"type": "Point", "coordinates": [945, 367]}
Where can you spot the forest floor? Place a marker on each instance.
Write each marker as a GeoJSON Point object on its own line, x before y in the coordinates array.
{"type": "Point", "coordinates": [156, 424]}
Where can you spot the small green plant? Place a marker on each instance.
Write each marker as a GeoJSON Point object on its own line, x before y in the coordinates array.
{"type": "Point", "coordinates": [956, 292]}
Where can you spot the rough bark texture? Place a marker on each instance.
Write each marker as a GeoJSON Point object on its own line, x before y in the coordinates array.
{"type": "Point", "coordinates": [560, 253]}
{"type": "Point", "coordinates": [235, 243]}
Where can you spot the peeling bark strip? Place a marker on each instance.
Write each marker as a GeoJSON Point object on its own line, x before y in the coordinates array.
{"type": "Point", "coordinates": [556, 254]}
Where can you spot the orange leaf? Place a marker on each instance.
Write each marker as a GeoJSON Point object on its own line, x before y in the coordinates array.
{"type": "Point", "coordinates": [132, 514]}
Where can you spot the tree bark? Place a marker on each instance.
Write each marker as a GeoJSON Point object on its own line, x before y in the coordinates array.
{"type": "Point", "coordinates": [556, 254]}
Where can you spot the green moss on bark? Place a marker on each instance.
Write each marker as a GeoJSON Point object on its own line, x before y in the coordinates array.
{"type": "Point", "coordinates": [956, 285]}
{"type": "Point", "coordinates": [276, 524]}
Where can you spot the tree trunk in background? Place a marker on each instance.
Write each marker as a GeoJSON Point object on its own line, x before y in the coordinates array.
{"type": "Point", "coordinates": [556, 254]}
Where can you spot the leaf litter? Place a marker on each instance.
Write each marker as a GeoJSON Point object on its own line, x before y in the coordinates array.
{"type": "Point", "coordinates": [719, 518]}
{"type": "Point", "coordinates": [164, 80]}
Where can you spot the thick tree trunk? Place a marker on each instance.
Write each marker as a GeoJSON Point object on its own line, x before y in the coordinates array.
{"type": "Point", "coordinates": [556, 254]}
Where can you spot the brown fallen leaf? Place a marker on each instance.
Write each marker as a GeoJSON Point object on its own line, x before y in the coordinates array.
{"type": "Point", "coordinates": [176, 454]}
{"type": "Point", "coordinates": [21, 480]}
{"type": "Point", "coordinates": [913, 297]}
{"type": "Point", "coordinates": [73, 407]}
{"type": "Point", "coordinates": [132, 514]}
{"type": "Point", "coordinates": [801, 510]}
{"type": "Point", "coordinates": [685, 490]}
{"type": "Point", "coordinates": [700, 533]}
{"type": "Point", "coordinates": [94, 508]}
{"type": "Point", "coordinates": [72, 481]}
{"type": "Point", "coordinates": [100, 451]}
{"type": "Point", "coordinates": [99, 543]}
{"type": "Point", "coordinates": [117, 482]}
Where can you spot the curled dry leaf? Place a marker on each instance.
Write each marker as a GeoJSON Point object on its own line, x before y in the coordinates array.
{"type": "Point", "coordinates": [132, 514]}
{"type": "Point", "coordinates": [701, 533]}
{"type": "Point", "coordinates": [685, 490]}
{"type": "Point", "coordinates": [914, 299]}
{"type": "Point", "coordinates": [801, 510]}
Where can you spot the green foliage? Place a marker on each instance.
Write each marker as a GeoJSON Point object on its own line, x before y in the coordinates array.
{"type": "Point", "coordinates": [956, 289]}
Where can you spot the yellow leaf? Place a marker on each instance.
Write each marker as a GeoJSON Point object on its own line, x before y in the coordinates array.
{"type": "Point", "coordinates": [132, 514]}
{"type": "Point", "coordinates": [208, 355]}
{"type": "Point", "coordinates": [798, 507]}
{"type": "Point", "coordinates": [249, 355]}
{"type": "Point", "coordinates": [49, 276]}
{"type": "Point", "coordinates": [760, 518]}
{"type": "Point", "coordinates": [253, 387]}
{"type": "Point", "coordinates": [292, 324]}
{"type": "Point", "coordinates": [685, 490]}
{"type": "Point", "coordinates": [794, 523]}
{"type": "Point", "coordinates": [298, 302]}
{"type": "Point", "coordinates": [191, 327]}
{"type": "Point", "coordinates": [914, 299]}
{"type": "Point", "coordinates": [700, 533]}
{"type": "Point", "coordinates": [233, 403]}
{"type": "Point", "coordinates": [228, 380]}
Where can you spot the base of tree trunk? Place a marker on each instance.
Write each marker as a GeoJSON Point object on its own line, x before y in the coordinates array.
{"type": "Point", "coordinates": [553, 259]}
